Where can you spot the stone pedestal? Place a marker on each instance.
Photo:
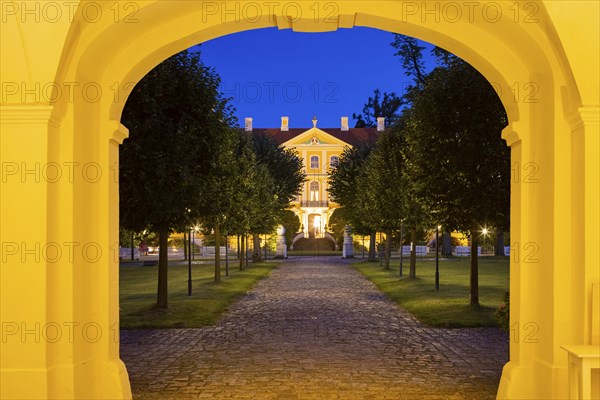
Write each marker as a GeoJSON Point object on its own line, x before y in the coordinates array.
{"type": "Point", "coordinates": [281, 251]}
{"type": "Point", "coordinates": [348, 247]}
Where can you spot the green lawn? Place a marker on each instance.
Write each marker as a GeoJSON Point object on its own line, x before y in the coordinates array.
{"type": "Point", "coordinates": [209, 300]}
{"type": "Point", "coordinates": [450, 306]}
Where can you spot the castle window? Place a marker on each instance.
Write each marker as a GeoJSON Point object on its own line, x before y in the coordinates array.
{"type": "Point", "coordinates": [314, 162]}
{"type": "Point", "coordinates": [334, 161]}
{"type": "Point", "coordinates": [314, 191]}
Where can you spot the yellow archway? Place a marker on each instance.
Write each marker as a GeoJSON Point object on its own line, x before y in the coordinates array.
{"type": "Point", "coordinates": [67, 69]}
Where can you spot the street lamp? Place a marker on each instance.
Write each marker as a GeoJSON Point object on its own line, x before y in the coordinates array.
{"type": "Point", "coordinates": [190, 262]}
{"type": "Point", "coordinates": [437, 257]}
{"type": "Point", "coordinates": [484, 232]}
{"type": "Point", "coordinates": [226, 254]}
{"type": "Point", "coordinates": [196, 230]}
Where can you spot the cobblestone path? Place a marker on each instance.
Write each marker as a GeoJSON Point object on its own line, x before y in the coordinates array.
{"type": "Point", "coordinates": [315, 329]}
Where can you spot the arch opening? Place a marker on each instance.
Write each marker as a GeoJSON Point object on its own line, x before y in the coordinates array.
{"type": "Point", "coordinates": [505, 52]}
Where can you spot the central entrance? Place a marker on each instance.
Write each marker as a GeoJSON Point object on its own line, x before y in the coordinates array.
{"type": "Point", "coordinates": [314, 226]}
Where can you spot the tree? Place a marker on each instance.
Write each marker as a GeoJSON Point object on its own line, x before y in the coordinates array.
{"type": "Point", "coordinates": [337, 225]}
{"type": "Point", "coordinates": [346, 189]}
{"type": "Point", "coordinates": [282, 182]}
{"type": "Point", "coordinates": [411, 53]}
{"type": "Point", "coordinates": [173, 114]}
{"type": "Point", "coordinates": [384, 186]}
{"type": "Point", "coordinates": [387, 106]}
{"type": "Point", "coordinates": [414, 213]}
{"type": "Point", "coordinates": [459, 165]}
{"type": "Point", "coordinates": [291, 223]}
{"type": "Point", "coordinates": [234, 192]}
{"type": "Point", "coordinates": [219, 202]}
{"type": "Point", "coordinates": [283, 164]}
{"type": "Point", "coordinates": [264, 214]}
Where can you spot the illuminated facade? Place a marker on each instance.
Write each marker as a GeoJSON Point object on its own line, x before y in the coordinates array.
{"type": "Point", "coordinates": [320, 150]}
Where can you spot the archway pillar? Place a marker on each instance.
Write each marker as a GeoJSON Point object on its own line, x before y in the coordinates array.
{"type": "Point", "coordinates": [554, 254]}
{"type": "Point", "coordinates": [59, 267]}
{"type": "Point", "coordinates": [99, 371]}
{"type": "Point", "coordinates": [516, 375]}
{"type": "Point", "coordinates": [585, 133]}
{"type": "Point", "coordinates": [586, 136]}
{"type": "Point", "coordinates": [24, 231]}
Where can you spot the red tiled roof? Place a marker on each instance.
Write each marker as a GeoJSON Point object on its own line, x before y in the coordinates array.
{"type": "Point", "coordinates": [353, 136]}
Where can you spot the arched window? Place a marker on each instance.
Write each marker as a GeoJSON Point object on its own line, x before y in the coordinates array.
{"type": "Point", "coordinates": [334, 161]}
{"type": "Point", "coordinates": [314, 191]}
{"type": "Point", "coordinates": [314, 162]}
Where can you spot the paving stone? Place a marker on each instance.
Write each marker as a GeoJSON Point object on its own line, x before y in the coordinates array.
{"type": "Point", "coordinates": [315, 329]}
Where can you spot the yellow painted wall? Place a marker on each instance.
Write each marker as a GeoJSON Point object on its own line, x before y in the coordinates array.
{"type": "Point", "coordinates": [64, 82]}
{"type": "Point", "coordinates": [329, 146]}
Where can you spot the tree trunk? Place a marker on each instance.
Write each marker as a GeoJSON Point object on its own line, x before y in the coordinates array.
{"type": "Point", "coordinates": [388, 249]}
{"type": "Point", "coordinates": [474, 289]}
{"type": "Point", "coordinates": [242, 252]}
{"type": "Point", "coordinates": [226, 254]}
{"type": "Point", "coordinates": [163, 259]}
{"type": "Point", "coordinates": [446, 244]}
{"type": "Point", "coordinates": [372, 239]}
{"type": "Point", "coordinates": [256, 256]}
{"type": "Point", "coordinates": [246, 253]}
{"type": "Point", "coordinates": [132, 248]}
{"type": "Point", "coordinates": [500, 243]}
{"type": "Point", "coordinates": [217, 254]}
{"type": "Point", "coordinates": [401, 244]}
{"type": "Point", "coordinates": [380, 250]}
{"type": "Point", "coordinates": [413, 252]}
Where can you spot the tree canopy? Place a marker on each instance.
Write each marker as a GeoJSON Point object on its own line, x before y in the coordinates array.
{"type": "Point", "coordinates": [459, 165]}
{"type": "Point", "coordinates": [347, 188]}
{"type": "Point", "coordinates": [385, 105]}
{"type": "Point", "coordinates": [175, 115]}
{"type": "Point", "coordinates": [286, 175]}
{"type": "Point", "coordinates": [442, 161]}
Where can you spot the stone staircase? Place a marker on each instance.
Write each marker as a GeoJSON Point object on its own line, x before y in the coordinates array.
{"type": "Point", "coordinates": [312, 244]}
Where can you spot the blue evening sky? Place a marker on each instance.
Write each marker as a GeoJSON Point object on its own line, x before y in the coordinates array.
{"type": "Point", "coordinates": [272, 73]}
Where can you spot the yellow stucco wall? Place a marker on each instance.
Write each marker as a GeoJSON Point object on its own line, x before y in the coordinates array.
{"type": "Point", "coordinates": [66, 72]}
{"type": "Point", "coordinates": [326, 147]}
